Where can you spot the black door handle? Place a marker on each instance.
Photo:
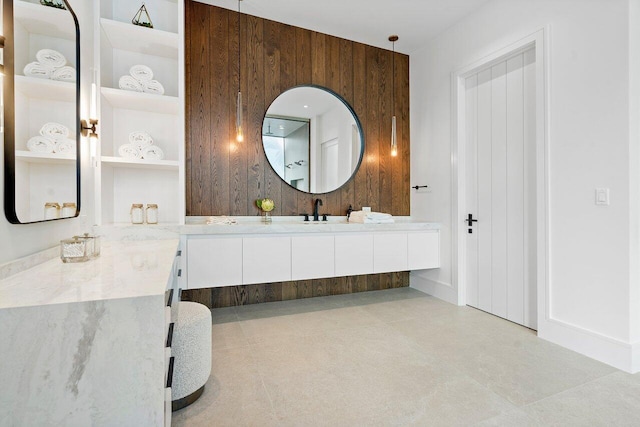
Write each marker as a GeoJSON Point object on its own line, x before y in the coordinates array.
{"type": "Point", "coordinates": [470, 220]}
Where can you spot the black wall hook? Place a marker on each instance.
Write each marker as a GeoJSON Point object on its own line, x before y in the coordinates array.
{"type": "Point", "coordinates": [419, 186]}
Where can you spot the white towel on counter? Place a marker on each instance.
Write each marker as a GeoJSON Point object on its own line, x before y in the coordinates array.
{"type": "Point", "coordinates": [221, 220]}
{"type": "Point", "coordinates": [153, 86]}
{"type": "Point", "coordinates": [65, 146]}
{"type": "Point", "coordinates": [152, 152]}
{"type": "Point", "coordinates": [140, 139]}
{"type": "Point", "coordinates": [51, 59]}
{"type": "Point", "coordinates": [129, 83]}
{"type": "Point", "coordinates": [64, 74]}
{"type": "Point", "coordinates": [129, 151]}
{"type": "Point", "coordinates": [362, 217]}
{"type": "Point", "coordinates": [41, 144]}
{"type": "Point", "coordinates": [142, 73]}
{"type": "Point", "coordinates": [54, 130]}
{"type": "Point", "coordinates": [36, 69]}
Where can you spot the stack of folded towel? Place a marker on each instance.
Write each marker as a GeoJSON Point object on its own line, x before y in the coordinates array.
{"type": "Point", "coordinates": [140, 79]}
{"type": "Point", "coordinates": [53, 138]}
{"type": "Point", "coordinates": [50, 64]}
{"type": "Point", "coordinates": [362, 217]}
{"type": "Point", "coordinates": [140, 146]}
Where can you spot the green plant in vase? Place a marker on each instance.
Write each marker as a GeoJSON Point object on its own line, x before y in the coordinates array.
{"type": "Point", "coordinates": [266, 206]}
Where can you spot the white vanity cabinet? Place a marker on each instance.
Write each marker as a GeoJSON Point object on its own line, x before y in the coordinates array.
{"type": "Point", "coordinates": [250, 254]}
{"type": "Point", "coordinates": [266, 259]}
{"type": "Point", "coordinates": [218, 262]}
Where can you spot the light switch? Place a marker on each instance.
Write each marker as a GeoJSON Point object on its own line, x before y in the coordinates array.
{"type": "Point", "coordinates": [602, 196]}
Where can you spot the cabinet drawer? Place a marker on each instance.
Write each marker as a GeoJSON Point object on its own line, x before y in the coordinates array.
{"type": "Point", "coordinates": [266, 259]}
{"type": "Point", "coordinates": [214, 262]}
{"type": "Point", "coordinates": [354, 254]}
{"type": "Point", "coordinates": [389, 252]}
{"type": "Point", "coordinates": [312, 257]}
{"type": "Point", "coordinates": [424, 250]}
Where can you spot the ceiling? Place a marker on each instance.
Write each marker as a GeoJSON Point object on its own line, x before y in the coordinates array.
{"type": "Point", "coordinates": [366, 21]}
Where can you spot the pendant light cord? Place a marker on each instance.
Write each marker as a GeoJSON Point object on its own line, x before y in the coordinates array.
{"type": "Point", "coordinates": [239, 44]}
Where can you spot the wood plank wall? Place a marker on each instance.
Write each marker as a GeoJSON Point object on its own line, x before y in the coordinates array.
{"type": "Point", "coordinates": [225, 178]}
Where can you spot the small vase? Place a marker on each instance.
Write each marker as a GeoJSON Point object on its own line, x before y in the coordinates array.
{"type": "Point", "coordinates": [267, 218]}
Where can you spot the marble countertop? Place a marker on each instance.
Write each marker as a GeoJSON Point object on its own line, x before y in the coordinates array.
{"type": "Point", "coordinates": [255, 226]}
{"type": "Point", "coordinates": [123, 270]}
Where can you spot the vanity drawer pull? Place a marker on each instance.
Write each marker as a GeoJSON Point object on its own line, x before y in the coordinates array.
{"type": "Point", "coordinates": [169, 298]}
{"type": "Point", "coordinates": [170, 372]}
{"type": "Point", "coordinates": [179, 294]}
{"type": "Point", "coordinates": [179, 253]}
{"type": "Point", "coordinates": [170, 335]}
{"type": "Point", "coordinates": [179, 272]}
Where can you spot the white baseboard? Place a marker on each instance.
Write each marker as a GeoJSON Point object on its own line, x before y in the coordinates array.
{"type": "Point", "coordinates": [434, 288]}
{"type": "Point", "coordinates": [619, 354]}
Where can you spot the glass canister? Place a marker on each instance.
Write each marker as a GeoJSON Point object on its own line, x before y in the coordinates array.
{"type": "Point", "coordinates": [51, 210]}
{"type": "Point", "coordinates": [68, 209]}
{"type": "Point", "coordinates": [137, 213]}
{"type": "Point", "coordinates": [152, 213]}
{"type": "Point", "coordinates": [74, 250]}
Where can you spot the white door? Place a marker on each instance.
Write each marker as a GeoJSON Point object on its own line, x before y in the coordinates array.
{"type": "Point", "coordinates": [329, 165]}
{"type": "Point", "coordinates": [500, 189]}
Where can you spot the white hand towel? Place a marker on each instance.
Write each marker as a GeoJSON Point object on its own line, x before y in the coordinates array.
{"type": "Point", "coordinates": [141, 73]}
{"type": "Point", "coordinates": [128, 151]}
{"type": "Point", "coordinates": [51, 58]}
{"type": "Point", "coordinates": [129, 83]}
{"type": "Point", "coordinates": [65, 74]}
{"type": "Point", "coordinates": [35, 69]}
{"type": "Point", "coordinates": [378, 215]}
{"type": "Point", "coordinates": [41, 144]}
{"type": "Point", "coordinates": [140, 139]}
{"type": "Point", "coordinates": [152, 152]}
{"type": "Point", "coordinates": [153, 86]}
{"type": "Point", "coordinates": [65, 146]}
{"type": "Point", "coordinates": [54, 130]}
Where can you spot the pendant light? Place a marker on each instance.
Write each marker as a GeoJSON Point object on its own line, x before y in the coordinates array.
{"type": "Point", "coordinates": [394, 141]}
{"type": "Point", "coordinates": [239, 132]}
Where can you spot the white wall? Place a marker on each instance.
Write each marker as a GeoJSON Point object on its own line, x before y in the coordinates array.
{"type": "Point", "coordinates": [589, 146]}
{"type": "Point", "coordinates": [20, 240]}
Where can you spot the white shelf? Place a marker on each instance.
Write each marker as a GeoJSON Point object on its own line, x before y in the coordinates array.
{"type": "Point", "coordinates": [140, 39]}
{"type": "Point", "coordinates": [39, 19]}
{"type": "Point", "coordinates": [46, 158]}
{"type": "Point", "coordinates": [130, 100]}
{"type": "Point", "coordinates": [53, 90]}
{"type": "Point", "coordinates": [120, 162]}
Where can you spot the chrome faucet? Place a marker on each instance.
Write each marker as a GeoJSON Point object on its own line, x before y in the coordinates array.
{"type": "Point", "coordinates": [315, 209]}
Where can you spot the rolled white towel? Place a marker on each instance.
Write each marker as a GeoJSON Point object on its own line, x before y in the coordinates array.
{"type": "Point", "coordinates": [129, 83]}
{"type": "Point", "coordinates": [129, 151]}
{"type": "Point", "coordinates": [141, 73]}
{"type": "Point", "coordinates": [140, 139]}
{"type": "Point", "coordinates": [54, 130]}
{"type": "Point", "coordinates": [35, 69]}
{"type": "Point", "coordinates": [153, 86]}
{"type": "Point", "coordinates": [378, 215]}
{"type": "Point", "coordinates": [51, 58]}
{"type": "Point", "coordinates": [364, 220]}
{"type": "Point", "coordinates": [152, 152]}
{"type": "Point", "coordinates": [65, 146]}
{"type": "Point", "coordinates": [41, 144]}
{"type": "Point", "coordinates": [65, 74]}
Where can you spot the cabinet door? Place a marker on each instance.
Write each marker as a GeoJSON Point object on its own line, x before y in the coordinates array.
{"type": "Point", "coordinates": [214, 262]}
{"type": "Point", "coordinates": [389, 252]}
{"type": "Point", "coordinates": [424, 250]}
{"type": "Point", "coordinates": [266, 259]}
{"type": "Point", "coordinates": [354, 254]}
{"type": "Point", "coordinates": [312, 257]}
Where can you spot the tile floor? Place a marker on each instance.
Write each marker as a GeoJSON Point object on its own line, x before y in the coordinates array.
{"type": "Point", "coordinates": [396, 358]}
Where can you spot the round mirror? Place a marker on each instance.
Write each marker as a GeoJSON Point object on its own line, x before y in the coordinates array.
{"type": "Point", "coordinates": [312, 139]}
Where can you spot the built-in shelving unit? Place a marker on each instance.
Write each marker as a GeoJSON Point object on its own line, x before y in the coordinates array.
{"type": "Point", "coordinates": [42, 177]}
{"type": "Point", "coordinates": [121, 181]}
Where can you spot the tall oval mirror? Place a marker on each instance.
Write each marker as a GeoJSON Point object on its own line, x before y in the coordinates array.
{"type": "Point", "coordinates": [313, 139]}
{"type": "Point", "coordinates": [41, 94]}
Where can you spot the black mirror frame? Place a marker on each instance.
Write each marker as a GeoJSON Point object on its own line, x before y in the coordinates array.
{"type": "Point", "coordinates": [8, 95]}
{"type": "Point", "coordinates": [355, 117]}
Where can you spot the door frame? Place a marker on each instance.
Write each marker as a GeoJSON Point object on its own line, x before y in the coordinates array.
{"type": "Point", "coordinates": [539, 40]}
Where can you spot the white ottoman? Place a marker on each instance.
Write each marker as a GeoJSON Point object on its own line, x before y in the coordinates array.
{"type": "Point", "coordinates": [191, 349]}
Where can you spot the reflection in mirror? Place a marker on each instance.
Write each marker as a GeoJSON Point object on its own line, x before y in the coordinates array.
{"type": "Point", "coordinates": [41, 93]}
{"type": "Point", "coordinates": [312, 139]}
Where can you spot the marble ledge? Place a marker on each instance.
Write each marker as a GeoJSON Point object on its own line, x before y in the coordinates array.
{"type": "Point", "coordinates": [123, 270]}
{"type": "Point", "coordinates": [255, 226]}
